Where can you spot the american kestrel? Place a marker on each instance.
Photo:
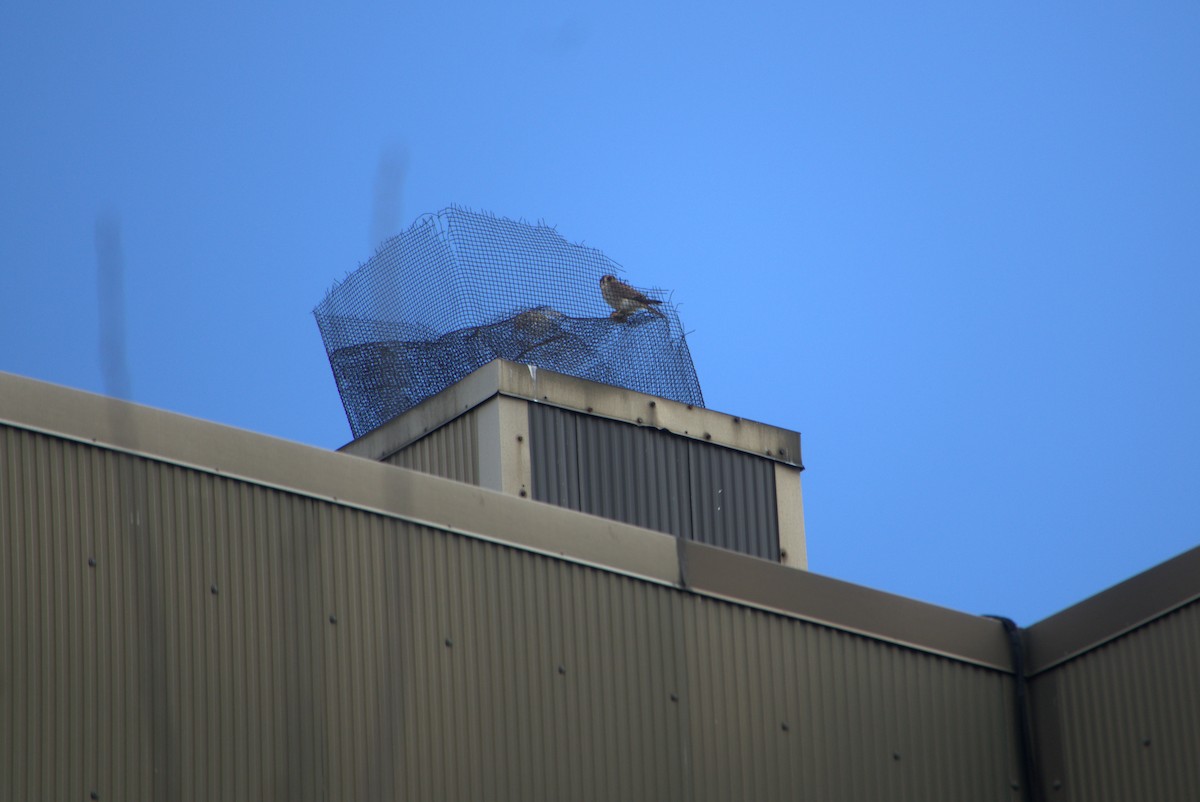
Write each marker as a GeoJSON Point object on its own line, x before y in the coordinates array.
{"type": "Point", "coordinates": [625, 300]}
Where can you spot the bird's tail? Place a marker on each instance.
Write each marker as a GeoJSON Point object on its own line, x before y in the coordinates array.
{"type": "Point", "coordinates": [650, 304]}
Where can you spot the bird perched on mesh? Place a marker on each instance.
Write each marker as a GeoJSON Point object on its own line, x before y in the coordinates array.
{"type": "Point", "coordinates": [625, 300]}
{"type": "Point", "coordinates": [538, 321]}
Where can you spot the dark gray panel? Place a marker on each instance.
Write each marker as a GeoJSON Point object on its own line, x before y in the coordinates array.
{"type": "Point", "coordinates": [733, 500]}
{"type": "Point", "coordinates": [610, 469]}
{"type": "Point", "coordinates": [654, 479]}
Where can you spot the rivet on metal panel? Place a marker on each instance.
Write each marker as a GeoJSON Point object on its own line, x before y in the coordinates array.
{"type": "Point", "coordinates": [1057, 784]}
{"type": "Point", "coordinates": [91, 562]}
{"type": "Point", "coordinates": [653, 404]}
{"type": "Point", "coordinates": [213, 588]}
{"type": "Point", "coordinates": [520, 438]}
{"type": "Point", "coordinates": [333, 619]}
{"type": "Point", "coordinates": [1145, 741]}
{"type": "Point", "coordinates": [689, 406]}
{"type": "Point", "coordinates": [449, 643]}
{"type": "Point", "coordinates": [784, 726]}
{"type": "Point", "coordinates": [783, 554]}
{"type": "Point", "coordinates": [707, 436]}
{"type": "Point", "coordinates": [95, 795]}
{"type": "Point", "coordinates": [674, 697]}
{"type": "Point", "coordinates": [562, 669]}
{"type": "Point", "coordinates": [589, 409]}
{"type": "Point", "coordinates": [639, 420]}
{"type": "Point", "coordinates": [783, 452]}
{"type": "Point", "coordinates": [895, 755]}
{"type": "Point", "coordinates": [768, 452]}
{"type": "Point", "coordinates": [522, 493]}
{"type": "Point", "coordinates": [1013, 784]}
{"type": "Point", "coordinates": [737, 420]}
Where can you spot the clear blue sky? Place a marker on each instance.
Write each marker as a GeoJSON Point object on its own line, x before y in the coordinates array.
{"type": "Point", "coordinates": [956, 245]}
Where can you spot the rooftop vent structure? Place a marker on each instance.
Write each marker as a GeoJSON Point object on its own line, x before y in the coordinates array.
{"type": "Point", "coordinates": [694, 473]}
{"type": "Point", "coordinates": [459, 289]}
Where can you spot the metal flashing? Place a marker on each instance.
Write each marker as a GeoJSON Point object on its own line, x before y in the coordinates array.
{"type": "Point", "coordinates": [495, 517]}
{"type": "Point", "coordinates": [501, 377]}
{"type": "Point", "coordinates": [1114, 612]}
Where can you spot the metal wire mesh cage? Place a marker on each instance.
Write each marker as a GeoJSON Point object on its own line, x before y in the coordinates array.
{"type": "Point", "coordinates": [460, 288]}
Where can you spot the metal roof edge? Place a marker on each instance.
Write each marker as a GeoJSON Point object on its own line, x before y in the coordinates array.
{"type": "Point", "coordinates": [501, 377]}
{"type": "Point", "coordinates": [848, 607]}
{"type": "Point", "coordinates": [1114, 612]}
{"type": "Point", "coordinates": [431, 414]}
{"type": "Point", "coordinates": [488, 515]}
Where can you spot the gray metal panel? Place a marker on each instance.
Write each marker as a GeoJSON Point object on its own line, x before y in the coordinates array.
{"type": "Point", "coordinates": [239, 641]}
{"type": "Point", "coordinates": [1122, 721]}
{"type": "Point", "coordinates": [733, 501]}
{"type": "Point", "coordinates": [594, 465]}
{"type": "Point", "coordinates": [654, 479]}
{"type": "Point", "coordinates": [451, 451]}
{"type": "Point", "coordinates": [782, 709]}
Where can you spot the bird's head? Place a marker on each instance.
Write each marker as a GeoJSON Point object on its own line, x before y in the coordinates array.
{"type": "Point", "coordinates": [606, 280]}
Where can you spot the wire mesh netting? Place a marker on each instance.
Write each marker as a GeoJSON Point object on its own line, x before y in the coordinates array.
{"type": "Point", "coordinates": [459, 289]}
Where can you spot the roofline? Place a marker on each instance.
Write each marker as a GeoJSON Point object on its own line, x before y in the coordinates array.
{"type": "Point", "coordinates": [501, 377]}
{"type": "Point", "coordinates": [1114, 612]}
{"type": "Point", "coordinates": [488, 515]}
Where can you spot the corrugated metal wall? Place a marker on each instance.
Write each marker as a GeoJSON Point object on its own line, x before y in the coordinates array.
{"type": "Point", "coordinates": [1122, 721]}
{"type": "Point", "coordinates": [654, 479]}
{"type": "Point", "coordinates": [234, 641]}
{"type": "Point", "coordinates": [451, 451]}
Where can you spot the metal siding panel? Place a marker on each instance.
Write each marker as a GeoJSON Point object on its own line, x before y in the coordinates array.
{"type": "Point", "coordinates": [534, 680]}
{"type": "Point", "coordinates": [1126, 715]}
{"type": "Point", "coordinates": [554, 456]}
{"type": "Point", "coordinates": [733, 500]}
{"type": "Point", "coordinates": [451, 451]}
{"type": "Point", "coordinates": [849, 705]}
{"type": "Point", "coordinates": [454, 667]}
{"type": "Point", "coordinates": [609, 469]}
{"type": "Point", "coordinates": [654, 479]}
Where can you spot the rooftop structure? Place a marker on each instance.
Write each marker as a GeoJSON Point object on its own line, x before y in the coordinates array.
{"type": "Point", "coordinates": [460, 289]}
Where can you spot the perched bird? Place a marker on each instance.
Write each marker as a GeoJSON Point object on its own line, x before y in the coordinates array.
{"type": "Point", "coordinates": [538, 321]}
{"type": "Point", "coordinates": [625, 300]}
